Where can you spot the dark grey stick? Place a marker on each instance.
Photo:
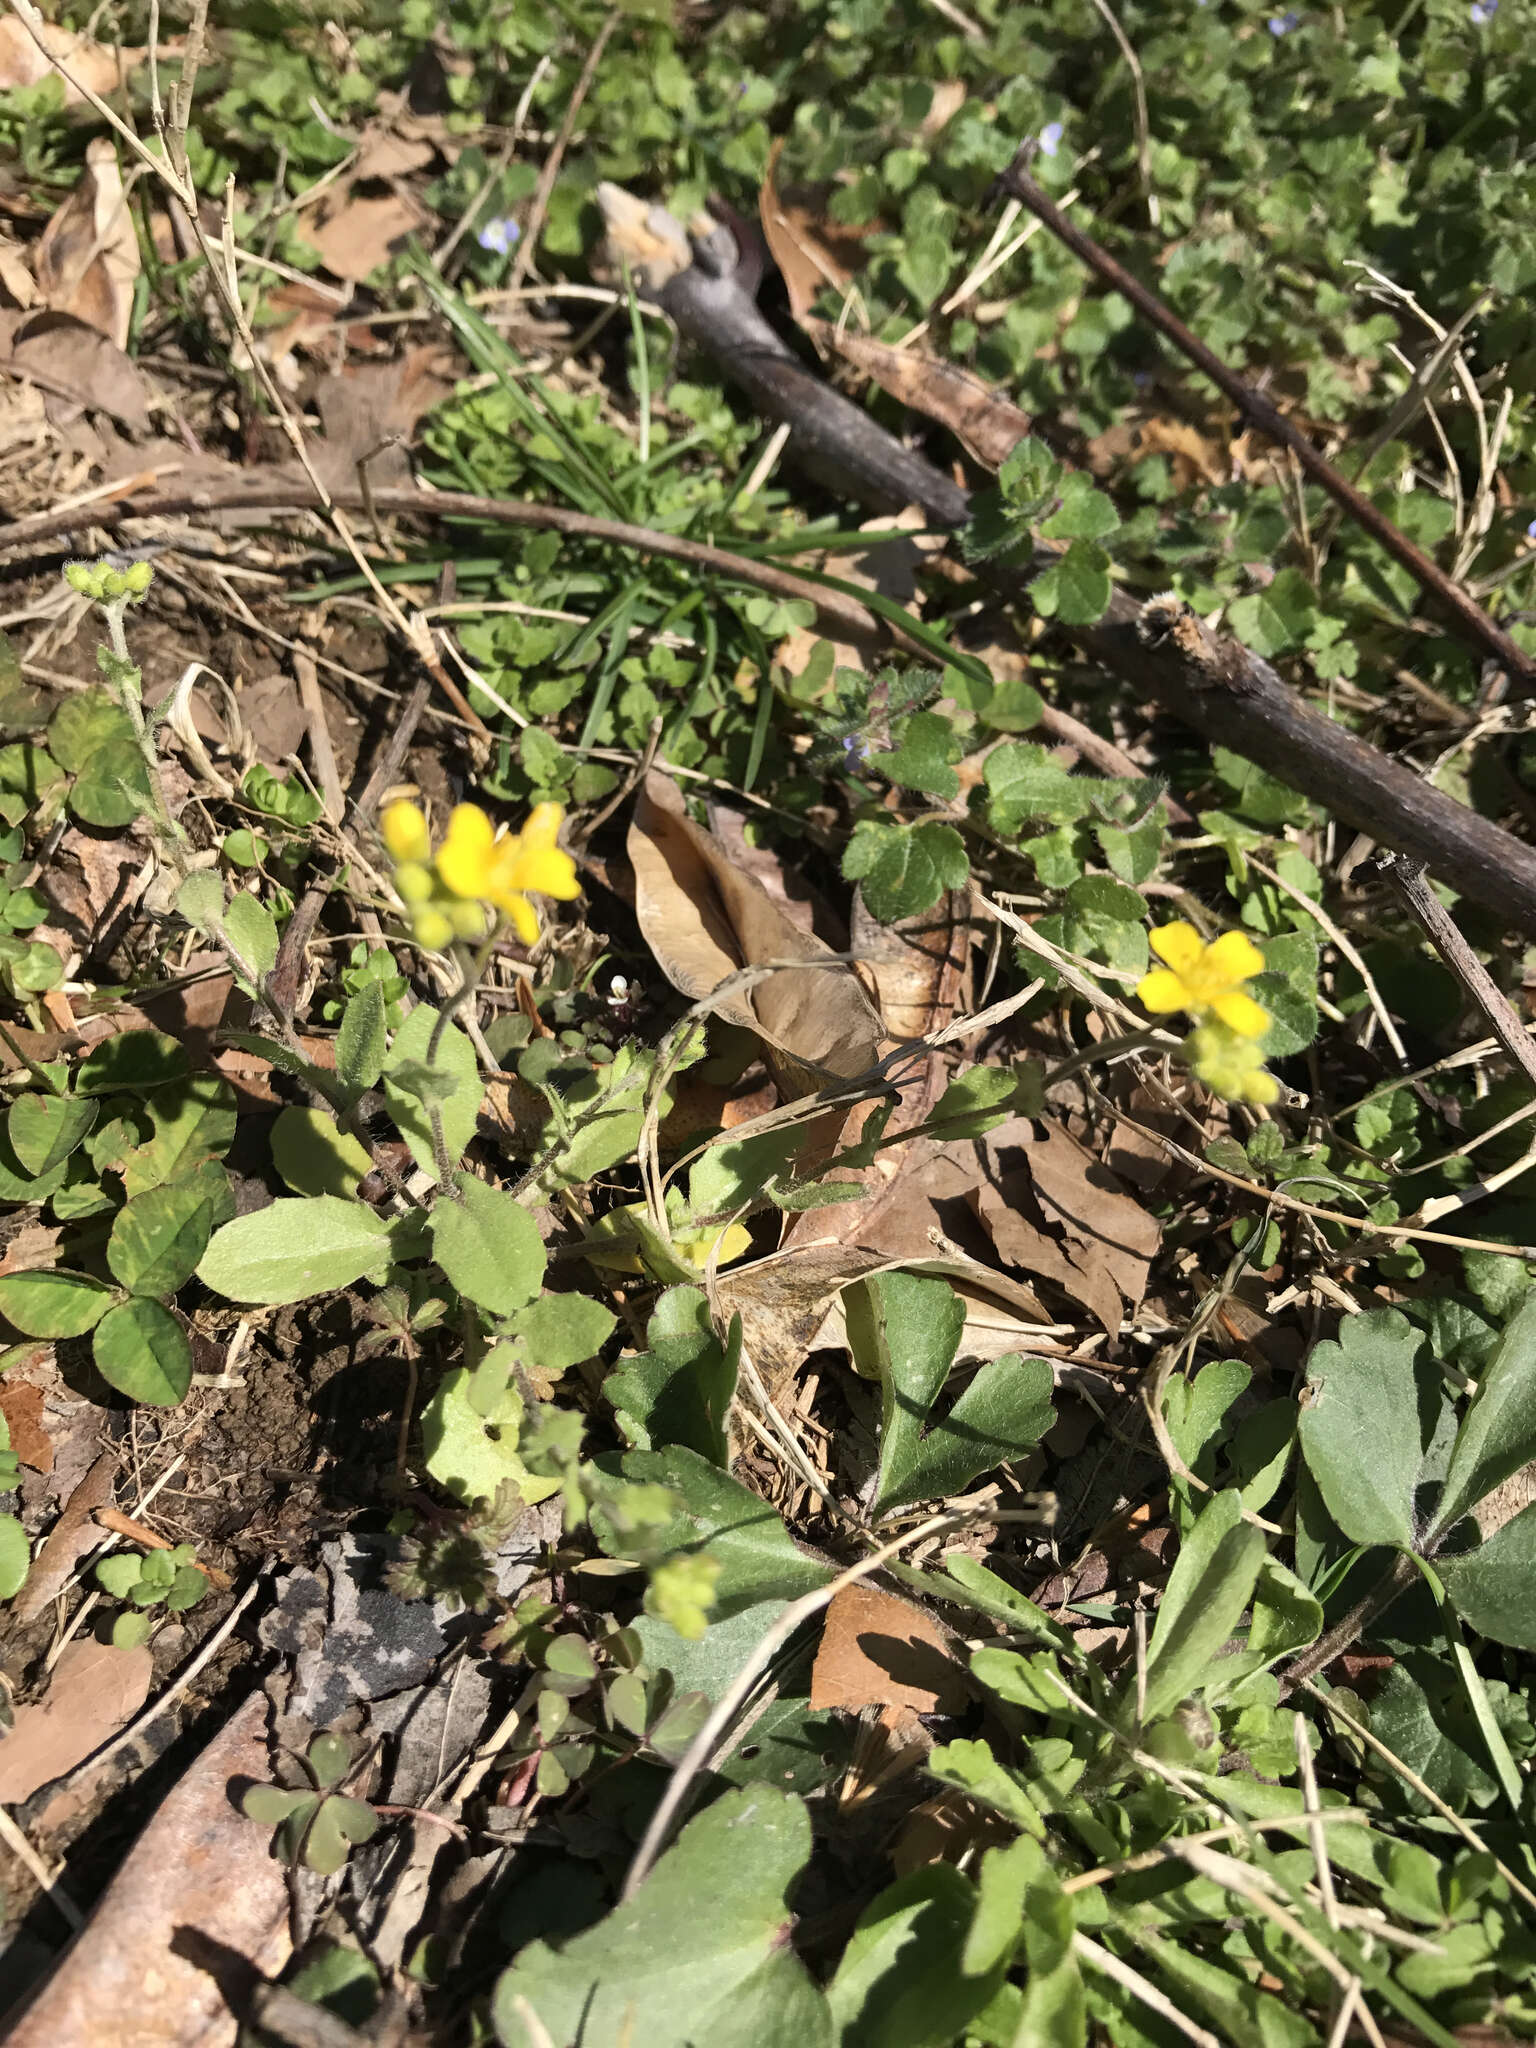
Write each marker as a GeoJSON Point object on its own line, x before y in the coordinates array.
{"type": "Point", "coordinates": [1407, 876]}
{"type": "Point", "coordinates": [1162, 650]}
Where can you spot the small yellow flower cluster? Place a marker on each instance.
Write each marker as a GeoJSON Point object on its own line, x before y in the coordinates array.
{"type": "Point", "coordinates": [1207, 981]}
{"type": "Point", "coordinates": [476, 870]}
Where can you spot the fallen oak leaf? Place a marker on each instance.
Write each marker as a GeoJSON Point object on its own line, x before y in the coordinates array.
{"type": "Point", "coordinates": [95, 1690]}
{"type": "Point", "coordinates": [705, 919]}
{"type": "Point", "coordinates": [71, 1536]}
{"type": "Point", "coordinates": [988, 425]}
{"type": "Point", "coordinates": [86, 262]}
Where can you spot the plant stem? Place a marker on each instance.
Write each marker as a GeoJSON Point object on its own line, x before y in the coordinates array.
{"type": "Point", "coordinates": [131, 699]}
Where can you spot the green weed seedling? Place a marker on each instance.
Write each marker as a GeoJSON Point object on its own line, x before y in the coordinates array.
{"type": "Point", "coordinates": [166, 1579]}
{"type": "Point", "coordinates": [125, 1150]}
{"type": "Point", "coordinates": [318, 1827]}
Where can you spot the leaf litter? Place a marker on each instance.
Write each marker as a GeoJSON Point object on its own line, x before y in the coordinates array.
{"type": "Point", "coordinates": [1062, 1254]}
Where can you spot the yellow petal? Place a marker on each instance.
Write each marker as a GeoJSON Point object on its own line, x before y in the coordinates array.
{"type": "Point", "coordinates": [521, 913]}
{"type": "Point", "coordinates": [1261, 1087]}
{"type": "Point", "coordinates": [1241, 1013]}
{"type": "Point", "coordinates": [1179, 944]}
{"type": "Point", "coordinates": [550, 871]}
{"type": "Point", "coordinates": [404, 831]}
{"type": "Point", "coordinates": [465, 858]}
{"type": "Point", "coordinates": [1161, 991]}
{"type": "Point", "coordinates": [543, 827]}
{"type": "Point", "coordinates": [1233, 957]}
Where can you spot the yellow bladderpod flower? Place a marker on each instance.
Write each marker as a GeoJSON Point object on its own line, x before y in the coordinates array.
{"type": "Point", "coordinates": [1206, 980]}
{"type": "Point", "coordinates": [473, 867]}
{"type": "Point", "coordinates": [481, 866]}
{"type": "Point", "coordinates": [1230, 1066]}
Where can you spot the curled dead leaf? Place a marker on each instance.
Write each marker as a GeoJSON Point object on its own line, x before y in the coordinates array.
{"type": "Point", "coordinates": [705, 919]}
{"type": "Point", "coordinates": [989, 425]}
{"type": "Point", "coordinates": [87, 260]}
{"type": "Point", "coordinates": [75, 366]}
{"type": "Point", "coordinates": [811, 252]}
{"type": "Point", "coordinates": [92, 66]}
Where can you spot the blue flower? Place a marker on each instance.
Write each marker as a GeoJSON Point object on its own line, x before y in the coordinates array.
{"type": "Point", "coordinates": [1530, 531]}
{"type": "Point", "coordinates": [1483, 12]}
{"type": "Point", "coordinates": [1050, 137]}
{"type": "Point", "coordinates": [498, 236]}
{"type": "Point", "coordinates": [1282, 24]}
{"type": "Point", "coordinates": [854, 752]}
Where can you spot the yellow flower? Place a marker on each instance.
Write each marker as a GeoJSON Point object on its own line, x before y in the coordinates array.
{"type": "Point", "coordinates": [617, 1241]}
{"type": "Point", "coordinates": [479, 866]}
{"type": "Point", "coordinates": [405, 833]}
{"type": "Point", "coordinates": [1205, 980]}
{"type": "Point", "coordinates": [1230, 1066]}
{"type": "Point", "coordinates": [473, 867]}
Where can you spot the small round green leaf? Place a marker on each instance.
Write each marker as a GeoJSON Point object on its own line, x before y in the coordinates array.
{"type": "Point", "coordinates": [159, 1237]}
{"type": "Point", "coordinates": [142, 1350]}
{"type": "Point", "coordinates": [133, 1059]}
{"type": "Point", "coordinates": [119, 1574]}
{"type": "Point", "coordinates": [131, 1628]}
{"type": "Point", "coordinates": [15, 1557]}
{"type": "Point", "coordinates": [53, 1304]}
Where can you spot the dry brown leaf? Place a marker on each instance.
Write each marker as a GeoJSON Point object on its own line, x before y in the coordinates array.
{"type": "Point", "coordinates": [948, 99]}
{"type": "Point", "coordinates": [1053, 1211]}
{"type": "Point", "coordinates": [370, 409]}
{"type": "Point", "coordinates": [22, 1407]}
{"type": "Point", "coordinates": [95, 1689]}
{"type": "Point", "coordinates": [91, 64]}
{"type": "Point", "coordinates": [783, 1302]}
{"type": "Point", "coordinates": [383, 151]}
{"type": "Point", "coordinates": [943, 1829]}
{"type": "Point", "coordinates": [704, 918]}
{"type": "Point", "coordinates": [76, 368]}
{"type": "Point", "coordinates": [1194, 457]}
{"type": "Point", "coordinates": [811, 252]}
{"type": "Point", "coordinates": [272, 715]}
{"type": "Point", "coordinates": [790, 1304]}
{"type": "Point", "coordinates": [802, 904]}
{"type": "Point", "coordinates": [1025, 1244]}
{"type": "Point", "coordinates": [17, 288]}
{"type": "Point", "coordinates": [878, 1650]}
{"type": "Point", "coordinates": [1101, 1222]}
{"type": "Point", "coordinates": [988, 425]}
{"type": "Point", "coordinates": [199, 1892]}
{"type": "Point", "coordinates": [87, 260]}
{"type": "Point", "coordinates": [71, 1536]}
{"type": "Point", "coordinates": [33, 1249]}
{"type": "Point", "coordinates": [353, 234]}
